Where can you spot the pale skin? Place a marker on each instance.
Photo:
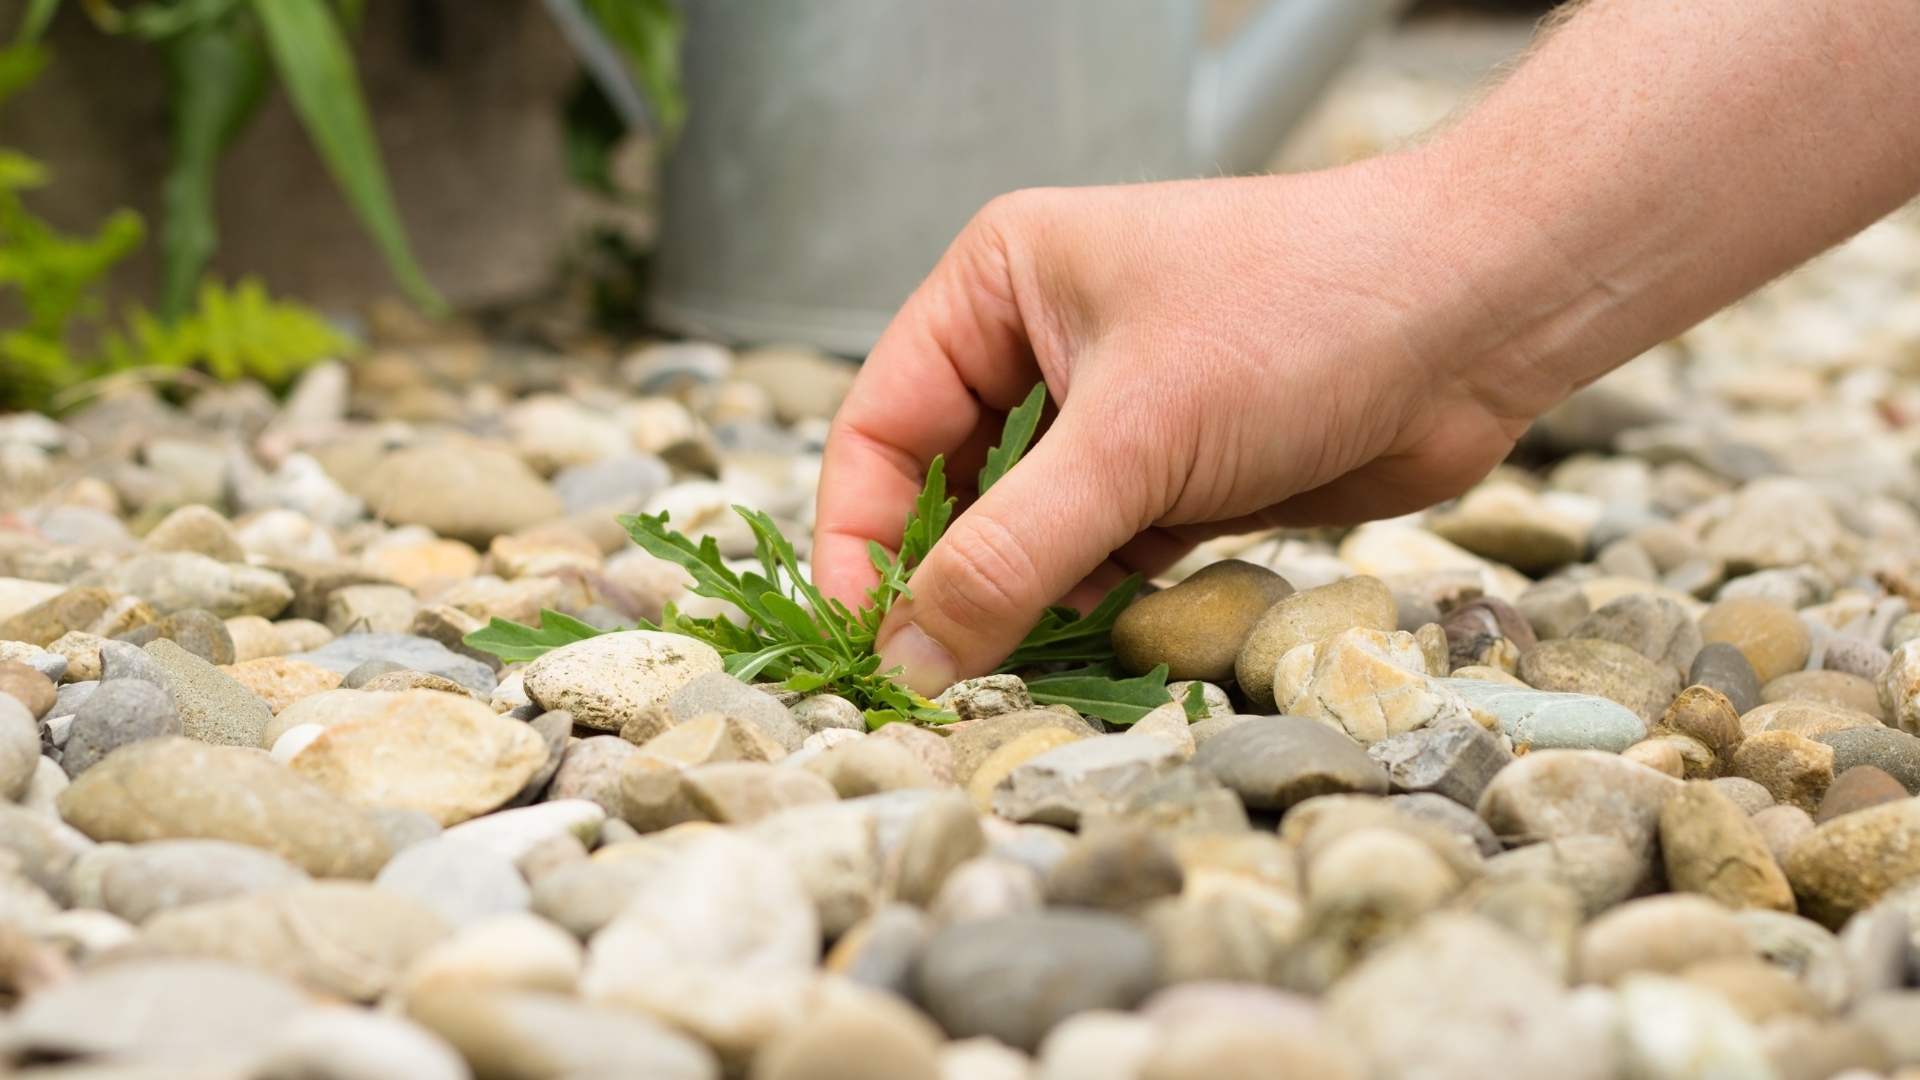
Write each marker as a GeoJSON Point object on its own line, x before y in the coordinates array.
{"type": "Point", "coordinates": [1340, 346]}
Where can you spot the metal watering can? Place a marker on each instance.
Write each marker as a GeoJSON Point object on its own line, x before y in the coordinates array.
{"type": "Point", "coordinates": [833, 148]}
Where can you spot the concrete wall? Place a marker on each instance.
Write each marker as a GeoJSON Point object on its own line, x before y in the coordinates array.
{"type": "Point", "coordinates": [466, 98]}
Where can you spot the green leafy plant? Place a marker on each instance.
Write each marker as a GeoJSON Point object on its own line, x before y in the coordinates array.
{"type": "Point", "coordinates": [808, 643]}
{"type": "Point", "coordinates": [647, 34]}
{"type": "Point", "coordinates": [219, 56]}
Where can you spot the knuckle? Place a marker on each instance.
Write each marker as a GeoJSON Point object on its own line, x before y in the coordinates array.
{"type": "Point", "coordinates": [980, 574]}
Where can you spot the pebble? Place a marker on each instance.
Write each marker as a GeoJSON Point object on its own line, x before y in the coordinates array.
{"type": "Point", "coordinates": [944, 834]}
{"type": "Point", "coordinates": [1793, 768]}
{"type": "Point", "coordinates": [1556, 794]}
{"type": "Point", "coordinates": [213, 707]}
{"type": "Point", "coordinates": [199, 632]}
{"type": "Point", "coordinates": [1542, 720]}
{"type": "Point", "coordinates": [82, 652]}
{"type": "Point", "coordinates": [1711, 847]}
{"type": "Point", "coordinates": [139, 881]}
{"type": "Point", "coordinates": [1670, 1029]}
{"type": "Point", "coordinates": [1658, 934]}
{"type": "Point", "coordinates": [344, 654]}
{"type": "Point", "coordinates": [829, 712]}
{"type": "Point", "coordinates": [973, 742]}
{"type": "Point", "coordinates": [27, 686]}
{"type": "Point", "coordinates": [447, 756]}
{"type": "Point", "coordinates": [1060, 785]}
{"type": "Point", "coordinates": [743, 792]}
{"type": "Point", "coordinates": [1750, 797]}
{"type": "Point", "coordinates": [987, 887]}
{"type": "Point", "coordinates": [521, 1033]}
{"type": "Point", "coordinates": [1602, 669]}
{"type": "Point", "coordinates": [1368, 684]}
{"type": "Point", "coordinates": [1117, 868]}
{"type": "Point", "coordinates": [1770, 636]}
{"type": "Point", "coordinates": [158, 1007]}
{"type": "Point", "coordinates": [869, 766]}
{"type": "Point", "coordinates": [177, 581]}
{"type": "Point", "coordinates": [1656, 627]}
{"type": "Point", "coordinates": [1851, 861]}
{"type": "Point", "coordinates": [342, 1042]}
{"type": "Point", "coordinates": [1836, 688]}
{"type": "Point", "coordinates": [1856, 657]}
{"type": "Point", "coordinates": [1016, 977]}
{"type": "Point", "coordinates": [47, 621]}
{"type": "Point", "coordinates": [339, 937]}
{"type": "Point", "coordinates": [585, 896]}
{"type": "Point", "coordinates": [465, 492]}
{"type": "Point", "coordinates": [1807, 718]}
{"type": "Point", "coordinates": [1724, 668]}
{"type": "Point", "coordinates": [512, 833]}
{"type": "Point", "coordinates": [604, 681]}
{"type": "Point", "coordinates": [985, 697]}
{"type": "Point", "coordinates": [1899, 688]}
{"type": "Point", "coordinates": [929, 749]}
{"type": "Point", "coordinates": [462, 883]}
{"type": "Point", "coordinates": [1894, 751]}
{"type": "Point", "coordinates": [1197, 627]}
{"type": "Point", "coordinates": [120, 712]}
{"type": "Point", "coordinates": [176, 788]}
{"type": "Point", "coordinates": [1460, 997]}
{"type": "Point", "coordinates": [861, 1035]}
{"type": "Point", "coordinates": [590, 770]}
{"type": "Point", "coordinates": [718, 692]}
{"type": "Point", "coordinates": [122, 660]}
{"type": "Point", "coordinates": [834, 848]}
{"type": "Point", "coordinates": [1857, 789]}
{"type": "Point", "coordinates": [1782, 827]}
{"type": "Point", "coordinates": [280, 681]}
{"type": "Point", "coordinates": [1274, 762]}
{"type": "Point", "coordinates": [1358, 602]}
{"type": "Point", "coordinates": [1510, 524]}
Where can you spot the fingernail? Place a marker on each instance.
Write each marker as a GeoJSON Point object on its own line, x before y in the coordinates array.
{"type": "Point", "coordinates": [928, 668]}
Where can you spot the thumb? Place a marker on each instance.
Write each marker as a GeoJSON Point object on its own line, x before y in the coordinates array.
{"type": "Point", "coordinates": [1035, 535]}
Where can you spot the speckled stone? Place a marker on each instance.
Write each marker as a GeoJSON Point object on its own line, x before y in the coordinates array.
{"type": "Point", "coordinates": [1602, 669]}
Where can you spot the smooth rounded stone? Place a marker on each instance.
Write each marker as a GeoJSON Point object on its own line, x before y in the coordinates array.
{"type": "Point", "coordinates": [121, 660]}
{"type": "Point", "coordinates": [395, 681]}
{"type": "Point", "coordinates": [347, 652]}
{"type": "Point", "coordinates": [364, 673]}
{"type": "Point", "coordinates": [614, 484]}
{"type": "Point", "coordinates": [1750, 797]}
{"type": "Point", "coordinates": [868, 766]}
{"type": "Point", "coordinates": [585, 896]}
{"type": "Point", "coordinates": [1756, 988]}
{"type": "Point", "coordinates": [929, 749]}
{"type": "Point", "coordinates": [1060, 785]}
{"type": "Point", "coordinates": [1600, 870]}
{"type": "Point", "coordinates": [199, 632]}
{"type": "Point", "coordinates": [27, 686]}
{"type": "Point", "coordinates": [987, 887]}
{"type": "Point", "coordinates": [1233, 1050]}
{"type": "Point", "coordinates": [402, 828]}
{"type": "Point", "coordinates": [1368, 684]}
{"type": "Point", "coordinates": [1712, 847]}
{"type": "Point", "coordinates": [1659, 934]}
{"type": "Point", "coordinates": [1016, 977]}
{"type": "Point", "coordinates": [46, 622]}
{"type": "Point", "coordinates": [158, 1008]}
{"type": "Point", "coordinates": [881, 950]}
{"type": "Point", "coordinates": [1835, 689]}
{"type": "Point", "coordinates": [829, 712]}
{"type": "Point", "coordinates": [120, 712]}
{"type": "Point", "coordinates": [591, 770]}
{"type": "Point", "coordinates": [1197, 627]}
{"type": "Point", "coordinates": [1119, 869]}
{"type": "Point", "coordinates": [522, 1035]}
{"type": "Point", "coordinates": [296, 636]}
{"type": "Point", "coordinates": [973, 742]}
{"type": "Point", "coordinates": [1546, 914]}
{"type": "Point", "coordinates": [718, 692]}
{"type": "Point", "coordinates": [1511, 524]}
{"type": "Point", "coordinates": [1096, 1043]}
{"type": "Point", "coordinates": [1273, 762]}
{"type": "Point", "coordinates": [1656, 627]}
{"type": "Point", "coordinates": [982, 1058]}
{"type": "Point", "coordinates": [857, 1035]}
{"type": "Point", "coordinates": [1363, 888]}
{"type": "Point", "coordinates": [1183, 801]}
{"type": "Point", "coordinates": [1848, 863]}
{"type": "Point", "coordinates": [1853, 656]}
{"type": "Point", "coordinates": [1899, 688]}
{"type": "Point", "coordinates": [1459, 997]}
{"type": "Point", "coordinates": [213, 707]}
{"type": "Point", "coordinates": [605, 680]}
{"type": "Point", "coordinates": [1604, 669]}
{"type": "Point", "coordinates": [834, 848]}
{"type": "Point", "coordinates": [943, 835]}
{"type": "Point", "coordinates": [1725, 668]}
{"type": "Point", "coordinates": [46, 850]}
{"type": "Point", "coordinates": [1782, 827]}
{"type": "Point", "coordinates": [179, 580]}
{"type": "Point", "coordinates": [1451, 815]}
{"type": "Point", "coordinates": [1555, 794]}
{"type": "Point", "coordinates": [198, 529]}
{"type": "Point", "coordinates": [343, 1043]}
{"type": "Point", "coordinates": [338, 937]}
{"type": "Point", "coordinates": [82, 651]}
{"type": "Point", "coordinates": [1897, 752]}
{"type": "Point", "coordinates": [1542, 720]}
{"type": "Point", "coordinates": [985, 697]}
{"type": "Point", "coordinates": [463, 491]}
{"type": "Point", "coordinates": [1703, 728]}
{"type": "Point", "coordinates": [1857, 789]}
{"type": "Point", "coordinates": [1793, 768]}
{"type": "Point", "coordinates": [46, 784]}
{"type": "Point", "coordinates": [176, 788]}
{"type": "Point", "coordinates": [512, 833]}
{"type": "Point", "coordinates": [1660, 755]}
{"type": "Point", "coordinates": [141, 880]}
{"type": "Point", "coordinates": [280, 681]}
{"type": "Point", "coordinates": [19, 748]}
{"type": "Point", "coordinates": [1671, 1030]}
{"type": "Point", "coordinates": [1358, 602]}
{"type": "Point", "coordinates": [1770, 636]}
{"type": "Point", "coordinates": [1553, 606]}
{"type": "Point", "coordinates": [743, 792]}
{"type": "Point", "coordinates": [462, 883]}
{"type": "Point", "coordinates": [1203, 730]}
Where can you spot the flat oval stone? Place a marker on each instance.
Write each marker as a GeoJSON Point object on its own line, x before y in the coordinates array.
{"type": "Point", "coordinates": [1725, 668]}
{"type": "Point", "coordinates": [1803, 717]}
{"type": "Point", "coordinates": [1549, 721]}
{"type": "Point", "coordinates": [1197, 627]}
{"type": "Point", "coordinates": [1273, 762]}
{"type": "Point", "coordinates": [1857, 789]}
{"type": "Point", "coordinates": [1836, 688]}
{"type": "Point", "coordinates": [1895, 751]}
{"type": "Point", "coordinates": [1656, 627]}
{"type": "Point", "coordinates": [1771, 636]}
{"type": "Point", "coordinates": [605, 681]}
{"type": "Point", "coordinates": [1850, 862]}
{"type": "Point", "coordinates": [1712, 847]}
{"type": "Point", "coordinates": [1602, 669]}
{"type": "Point", "coordinates": [1015, 977]}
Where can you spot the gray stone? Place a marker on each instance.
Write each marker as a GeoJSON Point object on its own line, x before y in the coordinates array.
{"type": "Point", "coordinates": [460, 882]}
{"type": "Point", "coordinates": [1725, 668]}
{"type": "Point", "coordinates": [160, 1008]}
{"type": "Point", "coordinates": [974, 741]}
{"type": "Point", "coordinates": [1856, 657]}
{"type": "Point", "coordinates": [1883, 747]}
{"type": "Point", "coordinates": [1654, 626]}
{"type": "Point", "coordinates": [359, 1044]}
{"type": "Point", "coordinates": [1273, 762]}
{"type": "Point", "coordinates": [987, 696]}
{"type": "Point", "coordinates": [1539, 720]}
{"type": "Point", "coordinates": [362, 674]}
{"type": "Point", "coordinates": [178, 580]}
{"type": "Point", "coordinates": [402, 827]}
{"type": "Point", "coordinates": [1060, 785]}
{"type": "Point", "coordinates": [718, 692]}
{"type": "Point", "coordinates": [834, 848]}
{"type": "Point", "coordinates": [585, 896]}
{"type": "Point", "coordinates": [1453, 760]}
{"type": "Point", "coordinates": [463, 491]}
{"type": "Point", "coordinates": [1747, 795]}
{"type": "Point", "coordinates": [590, 769]}
{"type": "Point", "coordinates": [1601, 870]}
{"type": "Point", "coordinates": [1553, 607]}
{"type": "Point", "coordinates": [621, 483]}
{"type": "Point", "coordinates": [1014, 978]}
{"type": "Point", "coordinates": [881, 952]}
{"type": "Point", "coordinates": [824, 712]}
{"type": "Point", "coordinates": [141, 880]}
{"type": "Point", "coordinates": [121, 660]}
{"type": "Point", "coordinates": [1118, 868]}
{"type": "Point", "coordinates": [123, 711]}
{"type": "Point", "coordinates": [72, 695]}
{"type": "Point", "coordinates": [943, 835]}
{"type": "Point", "coordinates": [200, 632]}
{"type": "Point", "coordinates": [557, 729]}
{"type": "Point", "coordinates": [45, 847]}
{"type": "Point", "coordinates": [213, 706]}
{"type": "Point", "coordinates": [1450, 815]}
{"type": "Point", "coordinates": [1184, 800]}
{"type": "Point", "coordinates": [1556, 794]}
{"type": "Point", "coordinates": [343, 654]}
{"type": "Point", "coordinates": [1602, 669]}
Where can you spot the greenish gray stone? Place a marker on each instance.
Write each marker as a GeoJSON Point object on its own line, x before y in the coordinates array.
{"type": "Point", "coordinates": [1549, 721]}
{"type": "Point", "coordinates": [213, 706]}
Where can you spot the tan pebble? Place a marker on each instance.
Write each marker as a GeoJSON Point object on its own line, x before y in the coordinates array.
{"type": "Point", "coordinates": [1657, 754]}
{"type": "Point", "coordinates": [1769, 635]}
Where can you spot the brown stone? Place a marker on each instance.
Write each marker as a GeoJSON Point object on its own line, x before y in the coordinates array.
{"type": "Point", "coordinates": [33, 689]}
{"type": "Point", "coordinates": [1198, 626]}
{"type": "Point", "coordinates": [1857, 789]}
{"type": "Point", "coordinates": [1711, 847]}
{"type": "Point", "coordinates": [1306, 617]}
{"type": "Point", "coordinates": [973, 741]}
{"type": "Point", "coordinates": [1704, 717]}
{"type": "Point", "coordinates": [280, 681]}
{"type": "Point", "coordinates": [48, 621]}
{"type": "Point", "coordinates": [1794, 769]}
{"type": "Point", "coordinates": [1836, 688]}
{"type": "Point", "coordinates": [1852, 860]}
{"type": "Point", "coordinates": [1769, 635]}
{"type": "Point", "coordinates": [313, 584]}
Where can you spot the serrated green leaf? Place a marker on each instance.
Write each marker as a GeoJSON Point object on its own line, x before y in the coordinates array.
{"type": "Point", "coordinates": [511, 641]}
{"type": "Point", "coordinates": [1022, 422]}
{"type": "Point", "coordinates": [315, 66]}
{"type": "Point", "coordinates": [1096, 692]}
{"type": "Point", "coordinates": [1064, 636]}
{"type": "Point", "coordinates": [927, 522]}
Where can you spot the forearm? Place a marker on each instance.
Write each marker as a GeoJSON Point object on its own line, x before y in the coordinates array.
{"type": "Point", "coordinates": [1656, 160]}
